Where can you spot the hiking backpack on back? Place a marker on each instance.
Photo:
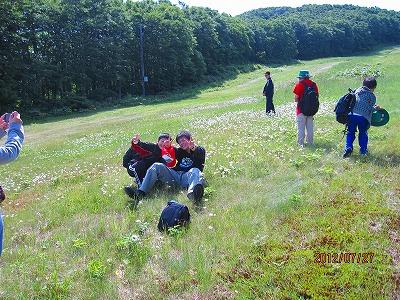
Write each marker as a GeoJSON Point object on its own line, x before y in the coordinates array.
{"type": "Point", "coordinates": [344, 106]}
{"type": "Point", "coordinates": [309, 103]}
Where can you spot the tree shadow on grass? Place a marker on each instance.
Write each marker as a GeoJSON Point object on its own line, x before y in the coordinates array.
{"type": "Point", "coordinates": [185, 92]}
{"type": "Point", "coordinates": [389, 160]}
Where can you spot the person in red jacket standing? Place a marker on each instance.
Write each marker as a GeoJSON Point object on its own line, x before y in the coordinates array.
{"type": "Point", "coordinates": [304, 123]}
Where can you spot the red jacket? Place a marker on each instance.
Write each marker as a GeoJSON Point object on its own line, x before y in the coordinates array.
{"type": "Point", "coordinates": [299, 91]}
{"type": "Point", "coordinates": [168, 154]}
{"type": "Point", "coordinates": [139, 150]}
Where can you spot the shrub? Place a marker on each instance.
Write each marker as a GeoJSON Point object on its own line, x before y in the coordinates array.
{"type": "Point", "coordinates": [103, 94]}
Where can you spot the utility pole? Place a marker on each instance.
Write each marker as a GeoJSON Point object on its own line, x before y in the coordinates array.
{"type": "Point", "coordinates": [142, 77]}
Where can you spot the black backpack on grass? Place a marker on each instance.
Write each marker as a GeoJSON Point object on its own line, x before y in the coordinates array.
{"type": "Point", "coordinates": [345, 106]}
{"type": "Point", "coordinates": [309, 103]}
{"type": "Point", "coordinates": [174, 214]}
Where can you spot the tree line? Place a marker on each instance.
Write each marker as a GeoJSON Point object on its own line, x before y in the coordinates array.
{"type": "Point", "coordinates": [63, 55]}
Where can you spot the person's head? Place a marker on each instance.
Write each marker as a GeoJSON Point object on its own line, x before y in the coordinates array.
{"type": "Point", "coordinates": [303, 74]}
{"type": "Point", "coordinates": [267, 74]}
{"type": "Point", "coordinates": [184, 138]}
{"type": "Point", "coordinates": [164, 140]}
{"type": "Point", "coordinates": [370, 82]}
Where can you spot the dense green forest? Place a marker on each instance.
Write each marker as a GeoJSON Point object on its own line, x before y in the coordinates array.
{"type": "Point", "coordinates": [58, 56]}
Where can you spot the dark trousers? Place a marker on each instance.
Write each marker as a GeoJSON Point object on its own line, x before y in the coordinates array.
{"type": "Point", "coordinates": [270, 105]}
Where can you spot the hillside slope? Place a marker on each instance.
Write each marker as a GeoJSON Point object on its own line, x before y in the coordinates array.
{"type": "Point", "coordinates": [270, 211]}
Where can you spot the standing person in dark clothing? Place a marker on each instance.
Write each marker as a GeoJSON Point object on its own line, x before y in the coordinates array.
{"type": "Point", "coordinates": [268, 92]}
{"type": "Point", "coordinates": [187, 173]}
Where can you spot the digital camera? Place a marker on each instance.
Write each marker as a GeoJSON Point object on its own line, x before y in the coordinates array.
{"type": "Point", "coordinates": [6, 117]}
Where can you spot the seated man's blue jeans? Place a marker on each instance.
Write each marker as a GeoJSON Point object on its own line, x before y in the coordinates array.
{"type": "Point", "coordinates": [1, 232]}
{"type": "Point", "coordinates": [159, 171]}
{"type": "Point", "coordinates": [362, 124]}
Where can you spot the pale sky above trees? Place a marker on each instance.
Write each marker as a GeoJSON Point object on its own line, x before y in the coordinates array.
{"type": "Point", "coordinates": [235, 7]}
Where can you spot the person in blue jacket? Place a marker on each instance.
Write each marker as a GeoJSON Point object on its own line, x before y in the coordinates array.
{"type": "Point", "coordinates": [10, 150]}
{"type": "Point", "coordinates": [360, 117]}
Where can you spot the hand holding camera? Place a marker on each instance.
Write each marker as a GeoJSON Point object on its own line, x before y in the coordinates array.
{"type": "Point", "coordinates": [15, 117]}
{"type": "Point", "coordinates": [9, 118]}
{"type": "Point", "coordinates": [4, 119]}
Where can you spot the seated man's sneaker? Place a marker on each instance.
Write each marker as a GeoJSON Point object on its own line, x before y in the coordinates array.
{"type": "Point", "coordinates": [135, 195]}
{"type": "Point", "coordinates": [197, 194]}
{"type": "Point", "coordinates": [130, 191]}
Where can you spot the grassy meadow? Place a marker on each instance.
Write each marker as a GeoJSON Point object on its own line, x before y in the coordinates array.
{"type": "Point", "coordinates": [269, 207]}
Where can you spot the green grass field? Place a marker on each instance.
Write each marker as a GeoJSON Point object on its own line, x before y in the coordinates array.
{"type": "Point", "coordinates": [270, 210]}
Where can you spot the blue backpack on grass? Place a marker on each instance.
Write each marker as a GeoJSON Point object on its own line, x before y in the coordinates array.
{"type": "Point", "coordinates": [174, 214]}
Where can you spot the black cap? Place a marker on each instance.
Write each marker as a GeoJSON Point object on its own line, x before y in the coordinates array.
{"type": "Point", "coordinates": [183, 133]}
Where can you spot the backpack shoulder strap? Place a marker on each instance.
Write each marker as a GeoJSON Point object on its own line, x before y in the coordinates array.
{"type": "Point", "coordinates": [314, 85]}
{"type": "Point", "coordinates": [352, 103]}
{"type": "Point", "coordinates": [306, 86]}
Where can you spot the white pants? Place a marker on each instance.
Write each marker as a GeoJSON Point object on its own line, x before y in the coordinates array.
{"type": "Point", "coordinates": [305, 123]}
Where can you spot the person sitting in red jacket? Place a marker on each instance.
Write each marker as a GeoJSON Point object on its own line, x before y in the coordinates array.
{"type": "Point", "coordinates": [141, 155]}
{"type": "Point", "coordinates": [168, 153]}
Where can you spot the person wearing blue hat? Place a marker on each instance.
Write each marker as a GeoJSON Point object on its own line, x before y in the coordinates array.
{"type": "Point", "coordinates": [304, 122]}
{"type": "Point", "coordinates": [360, 118]}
